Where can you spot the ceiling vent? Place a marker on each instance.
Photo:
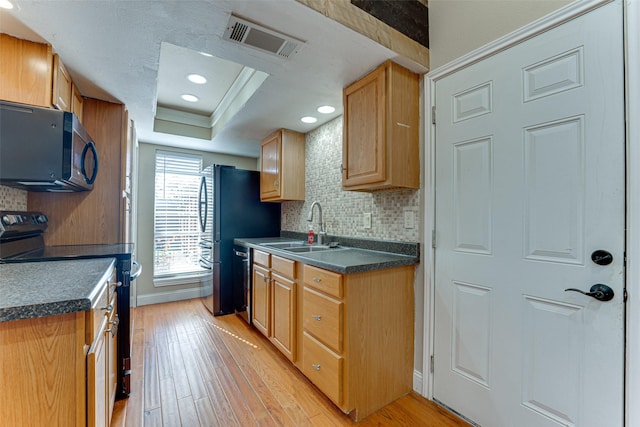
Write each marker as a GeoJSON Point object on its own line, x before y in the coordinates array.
{"type": "Point", "coordinates": [253, 35]}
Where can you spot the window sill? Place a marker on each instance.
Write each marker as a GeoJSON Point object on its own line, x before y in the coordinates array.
{"type": "Point", "coordinates": [181, 279]}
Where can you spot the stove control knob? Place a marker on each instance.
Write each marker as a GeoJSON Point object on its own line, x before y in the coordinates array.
{"type": "Point", "coordinates": [6, 220]}
{"type": "Point", "coordinates": [41, 219]}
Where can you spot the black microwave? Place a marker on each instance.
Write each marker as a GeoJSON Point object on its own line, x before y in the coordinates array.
{"type": "Point", "coordinates": [43, 149]}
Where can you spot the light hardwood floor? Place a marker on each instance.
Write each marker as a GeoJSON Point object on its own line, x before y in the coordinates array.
{"type": "Point", "coordinates": [190, 368]}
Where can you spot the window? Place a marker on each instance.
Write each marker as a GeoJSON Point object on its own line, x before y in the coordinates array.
{"type": "Point", "coordinates": [176, 224]}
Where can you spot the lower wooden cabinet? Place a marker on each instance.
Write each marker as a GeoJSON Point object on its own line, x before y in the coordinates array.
{"type": "Point", "coordinates": [283, 305]}
{"type": "Point", "coordinates": [357, 336]}
{"type": "Point", "coordinates": [101, 357]}
{"type": "Point", "coordinates": [60, 370]}
{"type": "Point", "coordinates": [274, 301]}
{"type": "Point", "coordinates": [350, 334]}
{"type": "Point", "coordinates": [261, 310]}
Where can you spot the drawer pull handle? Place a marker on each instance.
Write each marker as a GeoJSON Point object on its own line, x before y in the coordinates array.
{"type": "Point", "coordinates": [316, 317]}
{"type": "Point", "coordinates": [316, 366]}
{"type": "Point", "coordinates": [114, 328]}
{"type": "Point", "coordinates": [108, 308]}
{"type": "Point", "coordinates": [317, 279]}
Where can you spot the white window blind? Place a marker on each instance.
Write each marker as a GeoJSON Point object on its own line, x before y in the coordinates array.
{"type": "Point", "coordinates": [176, 224]}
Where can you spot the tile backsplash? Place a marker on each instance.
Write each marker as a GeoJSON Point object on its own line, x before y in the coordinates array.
{"type": "Point", "coordinates": [343, 211]}
{"type": "Point", "coordinates": [12, 199]}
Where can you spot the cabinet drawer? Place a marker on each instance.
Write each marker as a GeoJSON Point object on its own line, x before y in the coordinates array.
{"type": "Point", "coordinates": [261, 258]}
{"type": "Point", "coordinates": [285, 267]}
{"type": "Point", "coordinates": [323, 367]}
{"type": "Point", "coordinates": [97, 315]}
{"type": "Point", "coordinates": [112, 285]}
{"type": "Point", "coordinates": [323, 280]}
{"type": "Point", "coordinates": [323, 318]}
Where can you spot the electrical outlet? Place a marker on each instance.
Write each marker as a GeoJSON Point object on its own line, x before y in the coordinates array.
{"type": "Point", "coordinates": [409, 218]}
{"type": "Point", "coordinates": [366, 220]}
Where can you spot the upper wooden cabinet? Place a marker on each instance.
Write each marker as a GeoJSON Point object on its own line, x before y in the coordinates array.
{"type": "Point", "coordinates": [96, 216]}
{"type": "Point", "coordinates": [25, 71]}
{"type": "Point", "coordinates": [31, 74]}
{"type": "Point", "coordinates": [282, 166]}
{"type": "Point", "coordinates": [381, 130]}
{"type": "Point", "coordinates": [62, 96]}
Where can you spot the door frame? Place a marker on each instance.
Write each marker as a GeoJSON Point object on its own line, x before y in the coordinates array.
{"type": "Point", "coordinates": [631, 11]}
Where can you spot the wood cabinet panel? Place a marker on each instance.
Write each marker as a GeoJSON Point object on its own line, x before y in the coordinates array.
{"type": "Point", "coordinates": [364, 154]}
{"type": "Point", "coordinates": [42, 371]}
{"type": "Point", "coordinates": [112, 361]}
{"type": "Point", "coordinates": [323, 280]}
{"type": "Point", "coordinates": [381, 130]}
{"type": "Point", "coordinates": [96, 380]}
{"type": "Point", "coordinates": [62, 94]}
{"type": "Point", "coordinates": [283, 315]}
{"type": "Point", "coordinates": [323, 367]}
{"type": "Point", "coordinates": [282, 166]}
{"type": "Point", "coordinates": [262, 258]}
{"type": "Point", "coordinates": [323, 318]}
{"type": "Point", "coordinates": [25, 71]}
{"type": "Point", "coordinates": [261, 300]}
{"type": "Point", "coordinates": [283, 266]}
{"type": "Point", "coordinates": [77, 102]}
{"type": "Point", "coordinates": [270, 157]}
{"type": "Point", "coordinates": [90, 217]}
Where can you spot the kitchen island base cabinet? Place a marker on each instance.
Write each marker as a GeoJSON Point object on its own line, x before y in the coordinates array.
{"type": "Point", "coordinates": [357, 338]}
{"type": "Point", "coordinates": [59, 370]}
{"type": "Point", "coordinates": [39, 359]}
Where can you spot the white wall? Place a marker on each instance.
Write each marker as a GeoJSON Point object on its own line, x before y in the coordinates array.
{"type": "Point", "coordinates": [145, 291]}
{"type": "Point", "coordinates": [457, 27]}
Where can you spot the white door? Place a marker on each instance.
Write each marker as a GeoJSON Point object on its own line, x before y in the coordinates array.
{"type": "Point", "coordinates": [529, 184]}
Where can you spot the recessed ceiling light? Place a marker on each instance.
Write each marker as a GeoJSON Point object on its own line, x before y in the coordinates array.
{"type": "Point", "coordinates": [197, 79]}
{"type": "Point", "coordinates": [189, 98]}
{"type": "Point", "coordinates": [326, 109]}
{"type": "Point", "coordinates": [308, 119]}
{"type": "Point", "coordinates": [6, 4]}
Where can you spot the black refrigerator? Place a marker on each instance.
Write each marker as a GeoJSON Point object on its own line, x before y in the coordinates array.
{"type": "Point", "coordinates": [229, 207]}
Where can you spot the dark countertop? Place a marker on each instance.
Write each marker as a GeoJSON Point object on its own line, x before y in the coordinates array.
{"type": "Point", "coordinates": [343, 260]}
{"type": "Point", "coordinates": [39, 289]}
{"type": "Point", "coordinates": [66, 252]}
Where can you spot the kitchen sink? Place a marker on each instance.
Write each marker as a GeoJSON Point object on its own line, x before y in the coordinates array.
{"type": "Point", "coordinates": [307, 248]}
{"type": "Point", "coordinates": [300, 243]}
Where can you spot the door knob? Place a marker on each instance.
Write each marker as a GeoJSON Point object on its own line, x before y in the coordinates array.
{"type": "Point", "coordinates": [599, 291]}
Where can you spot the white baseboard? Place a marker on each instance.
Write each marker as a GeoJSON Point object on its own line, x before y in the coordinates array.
{"type": "Point", "coordinates": [160, 297]}
{"type": "Point", "coordinates": [417, 382]}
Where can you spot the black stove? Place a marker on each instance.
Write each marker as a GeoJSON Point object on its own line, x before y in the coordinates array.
{"type": "Point", "coordinates": [21, 241]}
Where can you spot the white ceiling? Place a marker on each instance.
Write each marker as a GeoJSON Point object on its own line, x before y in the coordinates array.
{"type": "Point", "coordinates": [112, 51]}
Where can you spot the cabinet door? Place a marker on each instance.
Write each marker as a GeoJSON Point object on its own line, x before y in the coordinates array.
{"type": "Point", "coordinates": [62, 91]}
{"type": "Point", "coordinates": [76, 102]}
{"type": "Point", "coordinates": [25, 71]}
{"type": "Point", "coordinates": [270, 170]}
{"type": "Point", "coordinates": [283, 319]}
{"type": "Point", "coordinates": [363, 156]}
{"type": "Point", "coordinates": [111, 335]}
{"type": "Point", "coordinates": [96, 380]}
{"type": "Point", "coordinates": [261, 299]}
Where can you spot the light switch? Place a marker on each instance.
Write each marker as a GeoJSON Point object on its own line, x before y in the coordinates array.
{"type": "Point", "coordinates": [366, 220]}
{"type": "Point", "coordinates": [409, 218]}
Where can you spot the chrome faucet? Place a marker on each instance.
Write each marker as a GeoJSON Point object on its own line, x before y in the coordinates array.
{"type": "Point", "coordinates": [321, 232]}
